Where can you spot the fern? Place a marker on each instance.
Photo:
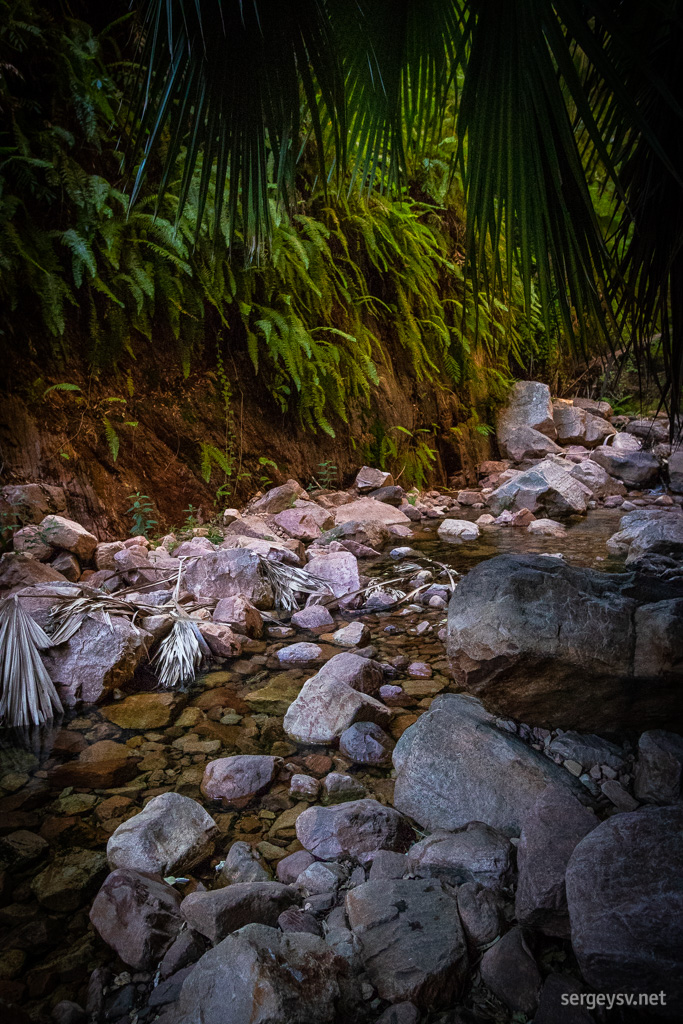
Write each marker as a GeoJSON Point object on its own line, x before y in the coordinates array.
{"type": "Point", "coordinates": [112, 437]}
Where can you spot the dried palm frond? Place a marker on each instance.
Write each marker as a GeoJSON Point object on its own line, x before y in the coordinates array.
{"type": "Point", "coordinates": [288, 580]}
{"type": "Point", "coordinates": [180, 654]}
{"type": "Point", "coordinates": [27, 694]}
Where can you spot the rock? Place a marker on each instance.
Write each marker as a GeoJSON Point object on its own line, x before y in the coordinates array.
{"type": "Point", "coordinates": [570, 422]}
{"type": "Point", "coordinates": [275, 698]}
{"type": "Point", "coordinates": [626, 904]}
{"type": "Point", "coordinates": [67, 1012]}
{"type": "Point", "coordinates": [289, 868]}
{"type": "Point", "coordinates": [265, 976]}
{"type": "Point", "coordinates": [546, 528]}
{"type": "Point", "coordinates": [20, 849]}
{"type": "Point", "coordinates": [354, 635]}
{"type": "Point", "coordinates": [454, 766]}
{"type": "Point", "coordinates": [104, 554]}
{"type": "Point", "coordinates": [528, 405]}
{"type": "Point", "coordinates": [366, 743]}
{"type": "Point", "coordinates": [648, 429]}
{"type": "Point", "coordinates": [621, 799]}
{"type": "Point", "coordinates": [215, 914]}
{"type": "Point", "coordinates": [243, 864]}
{"type": "Point", "coordinates": [299, 654]}
{"type": "Point", "coordinates": [196, 547]}
{"type": "Point", "coordinates": [220, 639]}
{"type": "Point", "coordinates": [364, 510]}
{"type": "Point", "coordinates": [339, 569]}
{"type": "Point", "coordinates": [97, 659]}
{"type": "Point", "coordinates": [635, 469]}
{"type": "Point", "coordinates": [99, 766]}
{"type": "Point", "coordinates": [330, 701]}
{"type": "Point", "coordinates": [353, 829]}
{"type": "Point", "coordinates": [69, 881]}
{"type": "Point", "coordinates": [277, 499]}
{"type": "Point", "coordinates": [369, 479]}
{"type": "Point", "coordinates": [392, 495]}
{"type": "Point", "coordinates": [412, 943]}
{"type": "Point", "coordinates": [550, 831]}
{"type": "Point", "coordinates": [19, 571]}
{"type": "Point", "coordinates": [304, 787]}
{"type": "Point", "coordinates": [480, 912]}
{"type": "Point", "coordinates": [554, 645]}
{"type": "Point", "coordinates": [30, 540]}
{"type": "Point", "coordinates": [475, 853]}
{"type": "Point", "coordinates": [388, 864]}
{"type": "Point", "coordinates": [32, 502]}
{"type": "Point", "coordinates": [313, 616]}
{"type": "Point", "coordinates": [171, 835]}
{"type": "Point", "coordinates": [69, 536]}
{"type": "Point", "coordinates": [236, 780]}
{"type": "Point", "coordinates": [362, 674]}
{"type": "Point", "coordinates": [598, 431]}
{"type": "Point", "coordinates": [337, 788]}
{"type": "Point", "coordinates": [320, 878]}
{"type": "Point", "coordinates": [527, 443]}
{"type": "Point", "coordinates": [137, 915]}
{"type": "Point", "coordinates": [228, 573]}
{"type": "Point", "coordinates": [596, 407]}
{"type": "Point", "coordinates": [509, 970]}
{"type": "Point", "coordinates": [675, 465]}
{"type": "Point", "coordinates": [400, 1013]}
{"type": "Point", "coordinates": [297, 920]}
{"type": "Point", "coordinates": [645, 532]}
{"type": "Point", "coordinates": [659, 767]}
{"type": "Point", "coordinates": [183, 951]}
{"type": "Point", "coordinates": [623, 443]}
{"type": "Point", "coordinates": [596, 479]}
{"type": "Point", "coordinates": [458, 530]}
{"type": "Point", "coordinates": [588, 750]}
{"type": "Point", "coordinates": [143, 711]}
{"type": "Point", "coordinates": [305, 523]}
{"type": "Point", "coordinates": [548, 486]}
{"type": "Point", "coordinates": [241, 614]}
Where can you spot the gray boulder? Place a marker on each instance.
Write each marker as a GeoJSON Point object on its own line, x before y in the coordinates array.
{"type": "Point", "coordinates": [588, 750]}
{"type": "Point", "coordinates": [626, 905]}
{"type": "Point", "coordinates": [217, 913]}
{"type": "Point", "coordinates": [652, 531]}
{"type": "Point", "coordinates": [243, 864]}
{"type": "Point", "coordinates": [481, 912]}
{"type": "Point", "coordinates": [336, 697]}
{"type": "Point", "coordinates": [549, 487]}
{"type": "Point", "coordinates": [635, 469]}
{"type": "Point", "coordinates": [168, 837]}
{"type": "Point", "coordinates": [228, 573]}
{"type": "Point", "coordinates": [412, 944]}
{"type": "Point", "coordinates": [527, 443]}
{"type": "Point", "coordinates": [356, 828]}
{"type": "Point", "coordinates": [265, 976]}
{"type": "Point", "coordinates": [138, 916]}
{"type": "Point", "coordinates": [528, 405]}
{"type": "Point", "coordinates": [551, 830]}
{"type": "Point", "coordinates": [675, 466]}
{"type": "Point", "coordinates": [279, 498]}
{"type": "Point", "coordinates": [509, 970]}
{"type": "Point", "coordinates": [556, 646]}
{"type": "Point", "coordinates": [455, 766]}
{"type": "Point", "coordinates": [236, 780]}
{"type": "Point", "coordinates": [659, 768]}
{"type": "Point", "coordinates": [475, 853]}
{"type": "Point", "coordinates": [596, 479]}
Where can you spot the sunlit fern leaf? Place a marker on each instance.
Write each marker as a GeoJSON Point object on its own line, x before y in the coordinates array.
{"type": "Point", "coordinates": [180, 655]}
{"type": "Point", "coordinates": [27, 694]}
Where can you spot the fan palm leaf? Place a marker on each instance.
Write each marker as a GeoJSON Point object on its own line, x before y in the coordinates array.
{"type": "Point", "coordinates": [27, 694]}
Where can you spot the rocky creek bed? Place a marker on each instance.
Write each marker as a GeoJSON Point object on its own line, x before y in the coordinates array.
{"type": "Point", "coordinates": [330, 826]}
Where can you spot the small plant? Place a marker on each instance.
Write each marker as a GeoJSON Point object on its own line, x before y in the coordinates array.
{"type": "Point", "coordinates": [191, 519]}
{"type": "Point", "coordinates": [142, 511]}
{"type": "Point", "coordinates": [264, 479]}
{"type": "Point", "coordinates": [326, 475]}
{"type": "Point", "coordinates": [215, 535]}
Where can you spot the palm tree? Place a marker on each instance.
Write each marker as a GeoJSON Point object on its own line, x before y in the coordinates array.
{"type": "Point", "coordinates": [550, 95]}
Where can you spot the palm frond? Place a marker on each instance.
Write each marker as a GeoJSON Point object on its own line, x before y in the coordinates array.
{"type": "Point", "coordinates": [27, 694]}
{"type": "Point", "coordinates": [288, 580]}
{"type": "Point", "coordinates": [180, 655]}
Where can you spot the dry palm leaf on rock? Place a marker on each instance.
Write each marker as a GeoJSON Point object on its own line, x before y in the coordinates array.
{"type": "Point", "coordinates": [27, 694]}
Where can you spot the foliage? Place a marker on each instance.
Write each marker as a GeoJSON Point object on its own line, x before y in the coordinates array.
{"type": "Point", "coordinates": [142, 511]}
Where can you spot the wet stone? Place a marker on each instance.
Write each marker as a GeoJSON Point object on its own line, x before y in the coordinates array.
{"type": "Point", "coordinates": [366, 743]}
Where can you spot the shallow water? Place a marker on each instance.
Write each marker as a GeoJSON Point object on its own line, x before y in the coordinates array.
{"type": "Point", "coordinates": [219, 721]}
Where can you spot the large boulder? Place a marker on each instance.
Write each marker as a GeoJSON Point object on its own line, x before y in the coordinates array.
{"type": "Point", "coordinates": [550, 831]}
{"type": "Point", "coordinates": [265, 976]}
{"type": "Point", "coordinates": [549, 486]}
{"type": "Point", "coordinates": [455, 766]}
{"type": "Point", "coordinates": [595, 406]}
{"type": "Point", "coordinates": [570, 422]}
{"type": "Point", "coordinates": [277, 499]}
{"type": "Point", "coordinates": [367, 509]}
{"type": "Point", "coordinates": [339, 569]}
{"type": "Point", "coordinates": [528, 405]}
{"type": "Point", "coordinates": [411, 938]}
{"type": "Point", "coordinates": [527, 443]}
{"type": "Point", "coordinates": [635, 469]}
{"type": "Point", "coordinates": [236, 780]}
{"type": "Point", "coordinates": [228, 573]}
{"type": "Point", "coordinates": [69, 536]}
{"type": "Point", "coordinates": [217, 913]}
{"type": "Point", "coordinates": [675, 466]}
{"type": "Point", "coordinates": [626, 905]}
{"type": "Point", "coordinates": [509, 970]}
{"type": "Point", "coordinates": [137, 915]}
{"type": "Point", "coordinates": [475, 853]}
{"type": "Point", "coordinates": [651, 531]}
{"type": "Point", "coordinates": [97, 659]}
{"type": "Point", "coordinates": [369, 479]}
{"type": "Point", "coordinates": [357, 828]}
{"type": "Point", "coordinates": [596, 479]}
{"type": "Point", "coordinates": [305, 523]}
{"type": "Point", "coordinates": [98, 766]}
{"type": "Point", "coordinates": [168, 837]}
{"type": "Point", "coordinates": [659, 769]}
{"type": "Point", "coordinates": [19, 571]}
{"type": "Point", "coordinates": [336, 697]}
{"type": "Point", "coordinates": [557, 646]}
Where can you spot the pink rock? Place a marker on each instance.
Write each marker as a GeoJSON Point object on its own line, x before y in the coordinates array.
{"type": "Point", "coordinates": [237, 780]}
{"type": "Point", "coordinates": [420, 670]}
